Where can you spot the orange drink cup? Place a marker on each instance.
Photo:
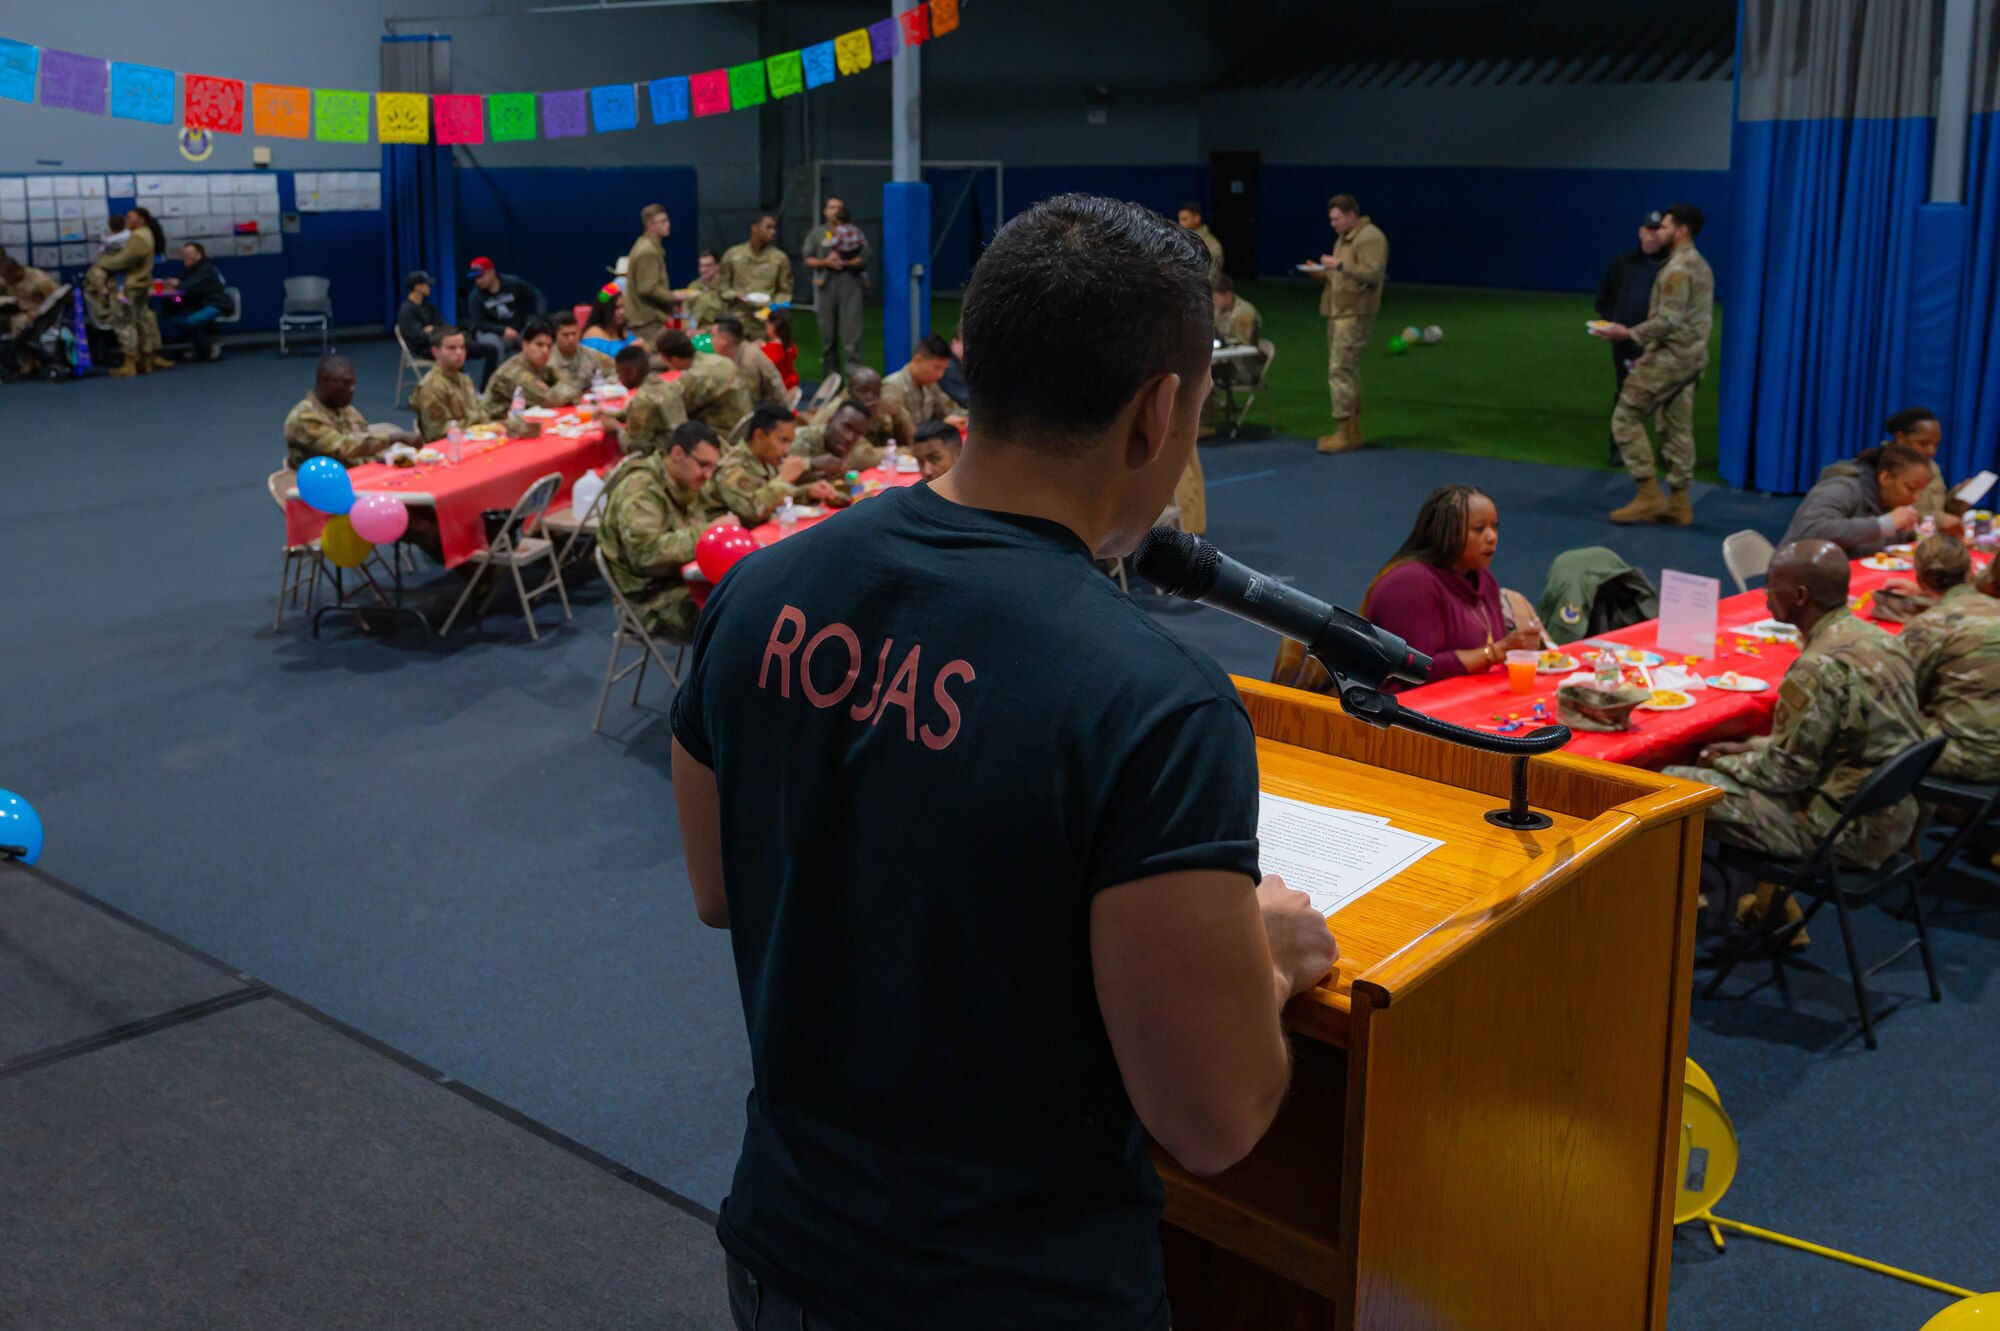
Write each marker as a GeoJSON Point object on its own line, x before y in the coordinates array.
{"type": "Point", "coordinates": [1521, 670]}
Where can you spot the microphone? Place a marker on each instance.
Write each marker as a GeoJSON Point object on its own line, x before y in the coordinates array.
{"type": "Point", "coordinates": [1186, 566]}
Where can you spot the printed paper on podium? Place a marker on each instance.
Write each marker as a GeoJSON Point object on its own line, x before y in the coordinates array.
{"type": "Point", "coordinates": [1334, 856]}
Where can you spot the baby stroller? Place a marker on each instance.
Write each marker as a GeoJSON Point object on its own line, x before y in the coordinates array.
{"type": "Point", "coordinates": [46, 344]}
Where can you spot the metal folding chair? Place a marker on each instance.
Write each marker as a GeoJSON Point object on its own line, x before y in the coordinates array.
{"type": "Point", "coordinates": [828, 390]}
{"type": "Point", "coordinates": [630, 629]}
{"type": "Point", "coordinates": [1746, 554]}
{"type": "Point", "coordinates": [1242, 414]}
{"type": "Point", "coordinates": [409, 364]}
{"type": "Point", "coordinates": [307, 307]}
{"type": "Point", "coordinates": [561, 523]}
{"type": "Point", "coordinates": [303, 563]}
{"type": "Point", "coordinates": [513, 550]}
{"type": "Point", "coordinates": [1981, 804]}
{"type": "Point", "coordinates": [1821, 878]}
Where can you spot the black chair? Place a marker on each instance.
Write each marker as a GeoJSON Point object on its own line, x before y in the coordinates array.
{"type": "Point", "coordinates": [1821, 877]}
{"type": "Point", "coordinates": [1981, 805]}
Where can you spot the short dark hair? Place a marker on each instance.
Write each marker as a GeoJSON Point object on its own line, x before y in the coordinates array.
{"type": "Point", "coordinates": [627, 355]}
{"type": "Point", "coordinates": [942, 431]}
{"type": "Point", "coordinates": [1689, 216]}
{"type": "Point", "coordinates": [690, 435]}
{"type": "Point", "coordinates": [780, 322]}
{"type": "Point", "coordinates": [849, 404]}
{"type": "Point", "coordinates": [1192, 207]}
{"type": "Point", "coordinates": [196, 246]}
{"type": "Point", "coordinates": [537, 327]}
{"type": "Point", "coordinates": [933, 346]}
{"type": "Point", "coordinates": [333, 365]}
{"type": "Point", "coordinates": [1347, 203]}
{"type": "Point", "coordinates": [1906, 420]}
{"type": "Point", "coordinates": [1121, 289]}
{"type": "Point", "coordinates": [1894, 459]}
{"type": "Point", "coordinates": [1221, 282]}
{"type": "Point", "coordinates": [675, 345]}
{"type": "Point", "coordinates": [768, 417]}
{"type": "Point", "coordinates": [563, 319]}
{"type": "Point", "coordinates": [443, 331]}
{"type": "Point", "coordinates": [709, 254]}
{"type": "Point", "coordinates": [729, 324]}
{"type": "Point", "coordinates": [411, 281]}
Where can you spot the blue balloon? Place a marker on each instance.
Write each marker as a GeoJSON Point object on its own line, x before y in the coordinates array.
{"type": "Point", "coordinates": [323, 483]}
{"type": "Point", "coordinates": [20, 825]}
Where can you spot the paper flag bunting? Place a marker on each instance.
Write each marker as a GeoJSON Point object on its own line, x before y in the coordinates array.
{"type": "Point", "coordinates": [142, 92]}
{"type": "Point", "coordinates": [746, 85]}
{"type": "Point", "coordinates": [74, 82]}
{"type": "Point", "coordinates": [340, 116]}
{"type": "Point", "coordinates": [18, 63]}
{"type": "Point", "coordinates": [883, 41]}
{"type": "Point", "coordinates": [280, 111]}
{"type": "Point", "coordinates": [215, 104]}
{"type": "Point", "coordinates": [821, 67]}
{"type": "Point", "coordinates": [565, 115]}
{"type": "Point", "coordinates": [916, 26]}
{"type": "Point", "coordinates": [786, 73]}
{"type": "Point", "coordinates": [510, 116]}
{"type": "Point", "coordinates": [710, 92]}
{"type": "Point", "coordinates": [614, 106]}
{"type": "Point", "coordinates": [670, 100]}
{"type": "Point", "coordinates": [402, 117]}
{"type": "Point", "coordinates": [944, 17]}
{"type": "Point", "coordinates": [851, 51]}
{"type": "Point", "coordinates": [460, 117]}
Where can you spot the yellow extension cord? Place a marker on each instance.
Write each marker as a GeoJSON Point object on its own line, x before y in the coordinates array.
{"type": "Point", "coordinates": [1713, 1221]}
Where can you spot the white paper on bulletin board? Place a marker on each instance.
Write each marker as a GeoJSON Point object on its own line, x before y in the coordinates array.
{"type": "Point", "coordinates": [75, 256]}
{"type": "Point", "coordinates": [46, 256]}
{"type": "Point", "coordinates": [121, 187]}
{"type": "Point", "coordinates": [12, 188]}
{"type": "Point", "coordinates": [66, 187]}
{"type": "Point", "coordinates": [14, 233]}
{"type": "Point", "coordinates": [271, 243]}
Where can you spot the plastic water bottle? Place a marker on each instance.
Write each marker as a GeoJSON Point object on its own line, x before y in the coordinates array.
{"type": "Point", "coordinates": [1926, 526]}
{"type": "Point", "coordinates": [889, 460]}
{"type": "Point", "coordinates": [1606, 675]}
{"type": "Point", "coordinates": [520, 402]}
{"type": "Point", "coordinates": [454, 439]}
{"type": "Point", "coordinates": [788, 514]}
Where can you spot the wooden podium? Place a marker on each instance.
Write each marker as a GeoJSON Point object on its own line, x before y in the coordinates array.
{"type": "Point", "coordinates": [1483, 1122]}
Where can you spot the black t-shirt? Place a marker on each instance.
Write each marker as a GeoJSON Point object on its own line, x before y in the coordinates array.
{"type": "Point", "coordinates": [938, 731]}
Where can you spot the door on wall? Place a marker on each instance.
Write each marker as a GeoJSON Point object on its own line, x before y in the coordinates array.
{"type": "Point", "coordinates": [1232, 214]}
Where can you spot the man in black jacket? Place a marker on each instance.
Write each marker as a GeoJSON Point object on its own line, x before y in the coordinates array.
{"type": "Point", "coordinates": [200, 298]}
{"type": "Point", "coordinates": [1624, 297]}
{"type": "Point", "coordinates": [417, 317]}
{"type": "Point", "coordinates": [495, 309]}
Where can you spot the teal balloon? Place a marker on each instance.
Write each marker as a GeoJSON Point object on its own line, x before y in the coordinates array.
{"type": "Point", "coordinates": [323, 483]}
{"type": "Point", "coordinates": [20, 826]}
{"type": "Point", "coordinates": [1397, 346]}
{"type": "Point", "coordinates": [703, 342]}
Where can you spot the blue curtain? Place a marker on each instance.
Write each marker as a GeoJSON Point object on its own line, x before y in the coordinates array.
{"type": "Point", "coordinates": [418, 221]}
{"type": "Point", "coordinates": [1972, 424]}
{"type": "Point", "coordinates": [1813, 352]}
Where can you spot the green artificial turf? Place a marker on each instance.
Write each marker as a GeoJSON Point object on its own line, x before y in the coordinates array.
{"type": "Point", "coordinates": [1516, 376]}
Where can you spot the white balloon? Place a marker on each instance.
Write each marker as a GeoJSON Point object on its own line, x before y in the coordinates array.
{"type": "Point", "coordinates": [1433, 335]}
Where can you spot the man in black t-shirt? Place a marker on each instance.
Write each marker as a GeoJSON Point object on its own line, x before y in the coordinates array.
{"type": "Point", "coordinates": [961, 1034]}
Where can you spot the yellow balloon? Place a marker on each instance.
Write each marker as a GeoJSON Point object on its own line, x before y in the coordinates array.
{"type": "Point", "coordinates": [1973, 1314]}
{"type": "Point", "coordinates": [342, 545]}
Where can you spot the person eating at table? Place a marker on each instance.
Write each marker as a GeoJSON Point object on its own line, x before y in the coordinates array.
{"type": "Point", "coordinates": [1918, 428]}
{"type": "Point", "coordinates": [840, 445]}
{"type": "Point", "coordinates": [657, 508]}
{"type": "Point", "coordinates": [761, 472]}
{"type": "Point", "coordinates": [1845, 706]}
{"type": "Point", "coordinates": [914, 388]}
{"type": "Point", "coordinates": [1865, 506]}
{"type": "Point", "coordinates": [653, 410]}
{"type": "Point", "coordinates": [887, 422]}
{"type": "Point", "coordinates": [578, 367]}
{"type": "Point", "coordinates": [755, 373]}
{"type": "Point", "coordinates": [1438, 593]}
{"type": "Point", "coordinates": [704, 302]}
{"type": "Point", "coordinates": [325, 423]}
{"type": "Point", "coordinates": [529, 371]}
{"type": "Point", "coordinates": [445, 393]}
{"type": "Point", "coordinates": [937, 448]}
{"type": "Point", "coordinates": [1955, 649]}
{"type": "Point", "coordinates": [607, 332]}
{"type": "Point", "coordinates": [1237, 324]}
{"type": "Point", "coordinates": [707, 389]}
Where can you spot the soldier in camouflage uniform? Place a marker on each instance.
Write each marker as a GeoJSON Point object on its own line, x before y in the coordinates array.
{"type": "Point", "coordinates": [1848, 704]}
{"type": "Point", "coordinates": [703, 303]}
{"type": "Point", "coordinates": [841, 444]}
{"type": "Point", "coordinates": [29, 287]}
{"type": "Point", "coordinates": [326, 424]}
{"type": "Point", "coordinates": [1237, 324]}
{"type": "Point", "coordinates": [131, 315]}
{"type": "Point", "coordinates": [1955, 649]}
{"type": "Point", "coordinates": [761, 472]}
{"type": "Point", "coordinates": [445, 394]}
{"type": "Point", "coordinates": [914, 388]}
{"type": "Point", "coordinates": [654, 513]}
{"type": "Point", "coordinates": [529, 370]}
{"type": "Point", "coordinates": [756, 373]}
{"type": "Point", "coordinates": [1190, 218]}
{"type": "Point", "coordinates": [1351, 281]}
{"type": "Point", "coordinates": [708, 389]}
{"type": "Point", "coordinates": [577, 367]}
{"type": "Point", "coordinates": [1663, 379]}
{"type": "Point", "coordinates": [887, 422]}
{"type": "Point", "coordinates": [757, 265]}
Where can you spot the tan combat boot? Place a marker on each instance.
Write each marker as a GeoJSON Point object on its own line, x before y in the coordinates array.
{"type": "Point", "coordinates": [126, 369]}
{"type": "Point", "coordinates": [1751, 908]}
{"type": "Point", "coordinates": [1346, 437]}
{"type": "Point", "coordinates": [1648, 505]}
{"type": "Point", "coordinates": [1679, 511]}
{"type": "Point", "coordinates": [162, 363]}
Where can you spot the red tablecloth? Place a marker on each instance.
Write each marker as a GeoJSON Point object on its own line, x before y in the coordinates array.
{"type": "Point", "coordinates": [874, 476]}
{"type": "Point", "coordinates": [1656, 738]}
{"type": "Point", "coordinates": [493, 475]}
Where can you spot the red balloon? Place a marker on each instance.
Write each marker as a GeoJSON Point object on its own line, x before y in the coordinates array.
{"type": "Point", "coordinates": [720, 548]}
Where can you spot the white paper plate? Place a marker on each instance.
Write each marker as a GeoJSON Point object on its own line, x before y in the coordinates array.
{"type": "Point", "coordinates": [1567, 664]}
{"type": "Point", "coordinates": [1743, 684]}
{"type": "Point", "coordinates": [1656, 707]}
{"type": "Point", "coordinates": [1886, 563]}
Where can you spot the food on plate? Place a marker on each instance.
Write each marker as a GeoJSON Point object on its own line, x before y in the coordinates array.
{"type": "Point", "coordinates": [1668, 700]}
{"type": "Point", "coordinates": [1555, 661]}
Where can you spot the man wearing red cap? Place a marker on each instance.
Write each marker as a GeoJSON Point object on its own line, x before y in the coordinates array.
{"type": "Point", "coordinates": [496, 308]}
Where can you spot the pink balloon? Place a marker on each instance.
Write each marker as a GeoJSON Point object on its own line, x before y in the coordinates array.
{"type": "Point", "coordinates": [378, 518]}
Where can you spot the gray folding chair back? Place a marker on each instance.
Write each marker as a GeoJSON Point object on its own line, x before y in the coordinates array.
{"type": "Point", "coordinates": [828, 390]}
{"type": "Point", "coordinates": [233, 313]}
{"type": "Point", "coordinates": [408, 364]}
{"type": "Point", "coordinates": [307, 306]}
{"type": "Point", "coordinates": [741, 430]}
{"type": "Point", "coordinates": [1746, 554]}
{"type": "Point", "coordinates": [629, 630]}
{"type": "Point", "coordinates": [1269, 349]}
{"type": "Point", "coordinates": [513, 549]}
{"type": "Point", "coordinates": [303, 563]}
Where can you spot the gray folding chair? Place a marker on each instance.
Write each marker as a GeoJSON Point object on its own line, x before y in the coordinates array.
{"type": "Point", "coordinates": [1746, 554]}
{"type": "Point", "coordinates": [513, 550]}
{"type": "Point", "coordinates": [1270, 353]}
{"type": "Point", "coordinates": [307, 307]}
{"type": "Point", "coordinates": [828, 390]}
{"type": "Point", "coordinates": [630, 630]}
{"type": "Point", "coordinates": [303, 563]}
{"type": "Point", "coordinates": [562, 523]}
{"type": "Point", "coordinates": [739, 431]}
{"type": "Point", "coordinates": [408, 364]}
